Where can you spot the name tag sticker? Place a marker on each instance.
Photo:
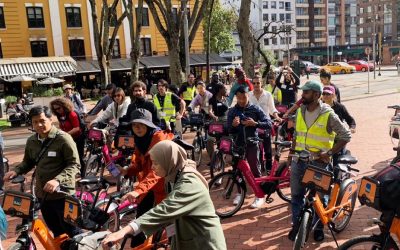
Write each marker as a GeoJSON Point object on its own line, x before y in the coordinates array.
{"type": "Point", "coordinates": [219, 104]}
{"type": "Point", "coordinates": [51, 154]}
{"type": "Point", "coordinates": [170, 230]}
{"type": "Point", "coordinates": [163, 114]}
{"type": "Point", "coordinates": [283, 86]}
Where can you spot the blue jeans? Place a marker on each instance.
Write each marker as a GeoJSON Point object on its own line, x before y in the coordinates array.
{"type": "Point", "coordinates": [298, 192]}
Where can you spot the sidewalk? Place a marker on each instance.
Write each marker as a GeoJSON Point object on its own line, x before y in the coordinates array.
{"type": "Point", "coordinates": [267, 228]}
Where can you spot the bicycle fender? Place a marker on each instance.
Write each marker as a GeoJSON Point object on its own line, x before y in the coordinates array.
{"type": "Point", "coordinates": [347, 188]}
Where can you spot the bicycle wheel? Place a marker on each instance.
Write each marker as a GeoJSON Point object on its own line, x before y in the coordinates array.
{"type": "Point", "coordinates": [113, 222]}
{"type": "Point", "coordinates": [373, 242]}
{"type": "Point", "coordinates": [15, 246]}
{"type": "Point", "coordinates": [283, 188]}
{"type": "Point", "coordinates": [227, 194]}
{"type": "Point", "coordinates": [217, 164]}
{"type": "Point", "coordinates": [92, 165]}
{"type": "Point", "coordinates": [304, 230]}
{"type": "Point", "coordinates": [343, 216]}
{"type": "Point", "coordinates": [197, 150]}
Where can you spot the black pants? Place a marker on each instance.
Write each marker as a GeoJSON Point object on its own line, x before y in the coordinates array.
{"type": "Point", "coordinates": [53, 213]}
{"type": "Point", "coordinates": [267, 150]}
{"type": "Point", "coordinates": [145, 205]}
{"type": "Point", "coordinates": [80, 145]}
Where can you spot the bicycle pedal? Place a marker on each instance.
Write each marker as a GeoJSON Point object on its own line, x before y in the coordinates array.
{"type": "Point", "coordinates": [269, 200]}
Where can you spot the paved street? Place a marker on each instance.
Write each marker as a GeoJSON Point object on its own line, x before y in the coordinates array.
{"type": "Point", "coordinates": [267, 228]}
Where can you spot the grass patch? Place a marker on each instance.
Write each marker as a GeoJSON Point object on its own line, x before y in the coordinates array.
{"type": "Point", "coordinates": [4, 124]}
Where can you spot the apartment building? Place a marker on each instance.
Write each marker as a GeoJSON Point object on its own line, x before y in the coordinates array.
{"type": "Point", "coordinates": [40, 28]}
{"type": "Point", "coordinates": [342, 22]}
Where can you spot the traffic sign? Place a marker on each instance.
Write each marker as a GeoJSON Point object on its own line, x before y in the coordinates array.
{"type": "Point", "coordinates": [368, 50]}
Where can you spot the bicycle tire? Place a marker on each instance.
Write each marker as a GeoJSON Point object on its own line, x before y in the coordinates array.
{"type": "Point", "coordinates": [230, 184]}
{"type": "Point", "coordinates": [217, 164]}
{"type": "Point", "coordinates": [283, 169]}
{"type": "Point", "coordinates": [374, 239]}
{"type": "Point", "coordinates": [92, 166]}
{"type": "Point", "coordinates": [197, 150]}
{"type": "Point", "coordinates": [16, 246]}
{"type": "Point", "coordinates": [337, 228]}
{"type": "Point", "coordinates": [304, 230]}
{"type": "Point", "coordinates": [114, 216]}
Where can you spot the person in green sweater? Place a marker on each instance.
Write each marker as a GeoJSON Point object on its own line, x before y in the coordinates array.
{"type": "Point", "coordinates": [187, 212]}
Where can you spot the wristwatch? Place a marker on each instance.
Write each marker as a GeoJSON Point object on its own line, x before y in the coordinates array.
{"type": "Point", "coordinates": [329, 153]}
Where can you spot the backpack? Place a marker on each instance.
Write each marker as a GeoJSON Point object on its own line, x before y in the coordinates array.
{"type": "Point", "coordinates": [82, 124]}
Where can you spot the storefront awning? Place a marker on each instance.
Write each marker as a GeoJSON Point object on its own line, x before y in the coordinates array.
{"type": "Point", "coordinates": [25, 66]}
{"type": "Point", "coordinates": [92, 66]}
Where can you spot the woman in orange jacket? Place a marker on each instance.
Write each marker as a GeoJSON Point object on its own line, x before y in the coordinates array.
{"type": "Point", "coordinates": [151, 188]}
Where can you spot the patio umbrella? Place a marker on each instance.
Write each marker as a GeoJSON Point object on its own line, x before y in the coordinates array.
{"type": "Point", "coordinates": [50, 80]}
{"type": "Point", "coordinates": [38, 76]}
{"type": "Point", "coordinates": [21, 78]}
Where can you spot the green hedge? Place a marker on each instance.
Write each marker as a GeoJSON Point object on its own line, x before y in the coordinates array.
{"type": "Point", "coordinates": [42, 91]}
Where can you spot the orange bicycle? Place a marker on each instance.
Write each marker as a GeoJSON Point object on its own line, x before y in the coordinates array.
{"type": "Point", "coordinates": [25, 205]}
{"type": "Point", "coordinates": [342, 198]}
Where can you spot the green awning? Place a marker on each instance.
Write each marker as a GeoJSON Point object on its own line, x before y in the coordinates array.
{"type": "Point", "coordinates": [394, 50]}
{"type": "Point", "coordinates": [323, 53]}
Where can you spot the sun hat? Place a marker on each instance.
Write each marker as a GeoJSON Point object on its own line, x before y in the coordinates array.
{"type": "Point", "coordinates": [67, 86]}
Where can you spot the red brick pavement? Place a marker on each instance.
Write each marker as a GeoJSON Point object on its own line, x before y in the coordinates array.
{"type": "Point", "coordinates": [267, 228]}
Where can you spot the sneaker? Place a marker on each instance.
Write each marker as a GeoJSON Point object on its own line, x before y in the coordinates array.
{"type": "Point", "coordinates": [237, 199]}
{"type": "Point", "coordinates": [257, 203]}
{"type": "Point", "coordinates": [319, 235]}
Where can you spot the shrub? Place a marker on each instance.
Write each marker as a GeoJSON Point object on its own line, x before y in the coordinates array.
{"type": "Point", "coordinates": [46, 92]}
{"type": "Point", "coordinates": [10, 99]}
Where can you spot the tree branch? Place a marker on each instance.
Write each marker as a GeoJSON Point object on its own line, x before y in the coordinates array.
{"type": "Point", "coordinates": [163, 30]}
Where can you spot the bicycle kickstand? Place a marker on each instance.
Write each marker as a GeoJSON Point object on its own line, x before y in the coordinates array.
{"type": "Point", "coordinates": [333, 235]}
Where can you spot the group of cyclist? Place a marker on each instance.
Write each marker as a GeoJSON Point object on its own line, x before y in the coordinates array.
{"type": "Point", "coordinates": [58, 153]}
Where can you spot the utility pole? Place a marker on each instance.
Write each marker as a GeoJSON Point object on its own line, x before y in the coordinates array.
{"type": "Point", "coordinates": [327, 31]}
{"type": "Point", "coordinates": [380, 52]}
{"type": "Point", "coordinates": [186, 33]}
{"type": "Point", "coordinates": [374, 45]}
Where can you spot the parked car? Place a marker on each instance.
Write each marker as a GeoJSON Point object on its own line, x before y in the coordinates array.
{"type": "Point", "coordinates": [306, 64]}
{"type": "Point", "coordinates": [362, 65]}
{"type": "Point", "coordinates": [339, 67]}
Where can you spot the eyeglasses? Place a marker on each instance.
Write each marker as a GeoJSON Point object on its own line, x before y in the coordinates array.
{"type": "Point", "coordinates": [326, 93]}
{"type": "Point", "coordinates": [57, 108]}
{"type": "Point", "coordinates": [256, 83]}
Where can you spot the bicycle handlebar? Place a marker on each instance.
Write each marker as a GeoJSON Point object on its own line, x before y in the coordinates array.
{"type": "Point", "coordinates": [394, 107]}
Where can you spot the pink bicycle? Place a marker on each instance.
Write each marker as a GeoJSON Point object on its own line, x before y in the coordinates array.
{"type": "Point", "coordinates": [228, 189]}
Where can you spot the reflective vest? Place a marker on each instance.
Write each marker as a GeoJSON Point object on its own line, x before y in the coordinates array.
{"type": "Point", "coordinates": [277, 93]}
{"type": "Point", "coordinates": [167, 110]}
{"type": "Point", "coordinates": [315, 138]}
{"type": "Point", "coordinates": [189, 93]}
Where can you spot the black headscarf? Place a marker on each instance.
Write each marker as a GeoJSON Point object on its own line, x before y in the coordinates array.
{"type": "Point", "coordinates": [143, 143]}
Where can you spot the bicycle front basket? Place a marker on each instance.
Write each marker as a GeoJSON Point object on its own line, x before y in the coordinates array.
{"type": "Point", "coordinates": [95, 135]}
{"type": "Point", "coordinates": [73, 211]}
{"type": "Point", "coordinates": [216, 129]}
{"type": "Point", "coordinates": [317, 178]}
{"type": "Point", "coordinates": [125, 142]}
{"type": "Point", "coordinates": [225, 145]}
{"type": "Point", "coordinates": [196, 119]}
{"type": "Point", "coordinates": [18, 204]}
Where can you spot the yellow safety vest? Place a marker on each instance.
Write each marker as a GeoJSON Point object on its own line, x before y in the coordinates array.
{"type": "Point", "coordinates": [277, 93]}
{"type": "Point", "coordinates": [168, 108]}
{"type": "Point", "coordinates": [315, 138]}
{"type": "Point", "coordinates": [189, 93]}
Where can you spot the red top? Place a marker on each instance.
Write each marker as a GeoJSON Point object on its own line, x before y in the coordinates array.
{"type": "Point", "coordinates": [70, 122]}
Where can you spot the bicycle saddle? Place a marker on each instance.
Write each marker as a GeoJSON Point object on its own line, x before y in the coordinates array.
{"type": "Point", "coordinates": [89, 180]}
{"type": "Point", "coordinates": [285, 144]}
{"type": "Point", "coordinates": [347, 159]}
{"type": "Point", "coordinates": [18, 179]}
{"type": "Point", "coordinates": [183, 144]}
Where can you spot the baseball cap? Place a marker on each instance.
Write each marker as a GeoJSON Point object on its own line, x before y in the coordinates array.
{"type": "Point", "coordinates": [142, 116]}
{"type": "Point", "coordinates": [67, 86]}
{"type": "Point", "coordinates": [312, 85]}
{"type": "Point", "coordinates": [329, 89]}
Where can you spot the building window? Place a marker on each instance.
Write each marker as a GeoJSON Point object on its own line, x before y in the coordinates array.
{"type": "Point", "coordinates": [265, 5]}
{"type": "Point", "coordinates": [281, 5]}
{"type": "Point", "coordinates": [282, 17]}
{"type": "Point", "coordinates": [273, 17]}
{"type": "Point", "coordinates": [77, 48]}
{"type": "Point", "coordinates": [35, 17]}
{"type": "Point", "coordinates": [73, 17]}
{"type": "Point", "coordinates": [283, 40]}
{"type": "Point", "coordinates": [317, 11]}
{"type": "Point", "coordinates": [273, 5]}
{"type": "Point", "coordinates": [145, 46]}
{"type": "Point", "coordinates": [265, 17]}
{"type": "Point", "coordinates": [288, 6]}
{"type": "Point", "coordinates": [274, 41]}
{"type": "Point", "coordinates": [145, 16]}
{"type": "Point", "coordinates": [1, 51]}
{"type": "Point", "coordinates": [301, 11]}
{"type": "Point", "coordinates": [361, 20]}
{"type": "Point", "coordinates": [39, 48]}
{"type": "Point", "coordinates": [266, 41]}
{"type": "Point", "coordinates": [2, 21]}
{"type": "Point", "coordinates": [288, 18]}
{"type": "Point", "coordinates": [116, 52]}
{"type": "Point", "coordinates": [274, 29]}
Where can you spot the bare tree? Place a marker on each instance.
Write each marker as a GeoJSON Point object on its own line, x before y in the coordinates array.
{"type": "Point", "coordinates": [283, 29]}
{"type": "Point", "coordinates": [170, 24]}
{"type": "Point", "coordinates": [104, 43]}
{"type": "Point", "coordinates": [246, 37]}
{"type": "Point", "coordinates": [134, 32]}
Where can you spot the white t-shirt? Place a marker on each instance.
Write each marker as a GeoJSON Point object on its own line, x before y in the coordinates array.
{"type": "Point", "coordinates": [265, 102]}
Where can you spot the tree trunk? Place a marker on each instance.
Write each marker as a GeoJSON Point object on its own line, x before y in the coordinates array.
{"type": "Point", "coordinates": [246, 37]}
{"type": "Point", "coordinates": [175, 70]}
{"type": "Point", "coordinates": [208, 51]}
{"type": "Point", "coordinates": [105, 73]}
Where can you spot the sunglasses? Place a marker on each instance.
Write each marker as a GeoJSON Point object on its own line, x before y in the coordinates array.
{"type": "Point", "coordinates": [325, 93]}
{"type": "Point", "coordinates": [57, 108]}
